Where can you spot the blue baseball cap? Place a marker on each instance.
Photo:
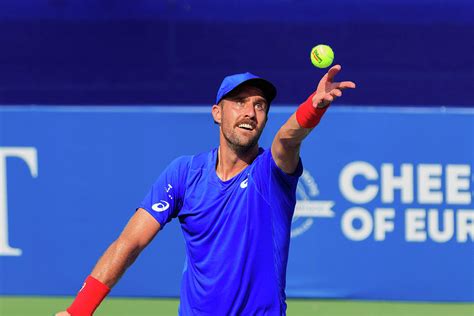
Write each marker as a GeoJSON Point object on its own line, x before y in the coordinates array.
{"type": "Point", "coordinates": [233, 81]}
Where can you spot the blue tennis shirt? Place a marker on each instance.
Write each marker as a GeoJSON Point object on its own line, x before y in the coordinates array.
{"type": "Point", "coordinates": [237, 233]}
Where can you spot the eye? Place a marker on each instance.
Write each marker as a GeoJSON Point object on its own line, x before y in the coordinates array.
{"type": "Point", "coordinates": [260, 106]}
{"type": "Point", "coordinates": [239, 102]}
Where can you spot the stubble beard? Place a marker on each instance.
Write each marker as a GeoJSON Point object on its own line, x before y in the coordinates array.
{"type": "Point", "coordinates": [238, 143]}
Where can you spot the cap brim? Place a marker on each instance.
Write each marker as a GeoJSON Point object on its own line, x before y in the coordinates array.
{"type": "Point", "coordinates": [268, 89]}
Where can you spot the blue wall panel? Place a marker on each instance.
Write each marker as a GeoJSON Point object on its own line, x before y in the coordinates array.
{"type": "Point", "coordinates": [177, 52]}
{"type": "Point", "coordinates": [385, 207]}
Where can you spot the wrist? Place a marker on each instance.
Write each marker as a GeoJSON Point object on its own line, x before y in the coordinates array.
{"type": "Point", "coordinates": [89, 297]}
{"type": "Point", "coordinates": [307, 115]}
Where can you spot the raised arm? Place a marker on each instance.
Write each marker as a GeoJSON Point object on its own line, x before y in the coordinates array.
{"type": "Point", "coordinates": [139, 232]}
{"type": "Point", "coordinates": [287, 142]}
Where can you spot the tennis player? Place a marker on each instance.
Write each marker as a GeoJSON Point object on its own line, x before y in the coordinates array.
{"type": "Point", "coordinates": [234, 205]}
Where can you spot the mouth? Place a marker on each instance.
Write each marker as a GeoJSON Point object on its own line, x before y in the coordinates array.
{"type": "Point", "coordinates": [246, 126]}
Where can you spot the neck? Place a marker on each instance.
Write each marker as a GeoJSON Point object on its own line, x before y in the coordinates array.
{"type": "Point", "coordinates": [230, 162]}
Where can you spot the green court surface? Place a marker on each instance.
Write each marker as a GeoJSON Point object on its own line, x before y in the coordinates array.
{"type": "Point", "coordinates": [24, 306]}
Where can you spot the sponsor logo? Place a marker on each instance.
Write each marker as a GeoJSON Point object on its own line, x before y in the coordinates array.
{"type": "Point", "coordinates": [160, 206]}
{"type": "Point", "coordinates": [244, 183]}
{"type": "Point", "coordinates": [307, 207]}
{"type": "Point", "coordinates": [30, 157]}
{"type": "Point", "coordinates": [428, 201]}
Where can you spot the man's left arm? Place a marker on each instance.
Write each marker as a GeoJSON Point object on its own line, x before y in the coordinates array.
{"type": "Point", "coordinates": [287, 142]}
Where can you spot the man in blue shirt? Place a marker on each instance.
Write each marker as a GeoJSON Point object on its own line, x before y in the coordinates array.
{"type": "Point", "coordinates": [234, 205]}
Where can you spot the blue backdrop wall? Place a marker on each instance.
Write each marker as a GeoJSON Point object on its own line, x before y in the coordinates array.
{"type": "Point", "coordinates": [385, 205]}
{"type": "Point", "coordinates": [177, 52]}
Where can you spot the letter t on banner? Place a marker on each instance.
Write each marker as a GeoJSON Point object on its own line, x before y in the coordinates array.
{"type": "Point", "coordinates": [29, 155]}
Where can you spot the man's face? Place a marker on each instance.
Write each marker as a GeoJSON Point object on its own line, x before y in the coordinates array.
{"type": "Point", "coordinates": [243, 115]}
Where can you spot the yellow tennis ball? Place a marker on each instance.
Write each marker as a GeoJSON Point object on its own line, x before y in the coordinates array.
{"type": "Point", "coordinates": [322, 56]}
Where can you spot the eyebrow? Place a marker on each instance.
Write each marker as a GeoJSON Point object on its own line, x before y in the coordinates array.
{"type": "Point", "coordinates": [260, 99]}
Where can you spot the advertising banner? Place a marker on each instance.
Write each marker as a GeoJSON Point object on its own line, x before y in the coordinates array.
{"type": "Point", "coordinates": [385, 204]}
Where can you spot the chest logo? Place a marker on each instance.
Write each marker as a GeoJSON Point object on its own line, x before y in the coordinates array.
{"type": "Point", "coordinates": [161, 206]}
{"type": "Point", "coordinates": [244, 183]}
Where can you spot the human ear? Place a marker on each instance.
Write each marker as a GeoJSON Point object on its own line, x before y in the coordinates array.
{"type": "Point", "coordinates": [217, 113]}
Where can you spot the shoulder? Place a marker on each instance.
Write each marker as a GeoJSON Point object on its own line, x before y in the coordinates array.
{"type": "Point", "coordinates": [197, 159]}
{"type": "Point", "coordinates": [265, 161]}
{"type": "Point", "coordinates": [181, 162]}
{"type": "Point", "coordinates": [202, 160]}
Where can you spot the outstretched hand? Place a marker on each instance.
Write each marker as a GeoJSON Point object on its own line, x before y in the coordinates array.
{"type": "Point", "coordinates": [328, 90]}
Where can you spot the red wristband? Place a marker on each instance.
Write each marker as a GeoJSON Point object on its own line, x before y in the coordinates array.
{"type": "Point", "coordinates": [88, 298]}
{"type": "Point", "coordinates": [307, 115]}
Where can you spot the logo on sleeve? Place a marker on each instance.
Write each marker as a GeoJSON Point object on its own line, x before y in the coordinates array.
{"type": "Point", "coordinates": [244, 183]}
{"type": "Point", "coordinates": [161, 206]}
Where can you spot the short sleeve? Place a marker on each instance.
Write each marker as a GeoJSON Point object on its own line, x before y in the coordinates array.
{"type": "Point", "coordinates": [165, 198]}
{"type": "Point", "coordinates": [274, 183]}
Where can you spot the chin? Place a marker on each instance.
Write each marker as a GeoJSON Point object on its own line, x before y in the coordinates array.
{"type": "Point", "coordinates": [242, 143]}
{"type": "Point", "coordinates": [247, 146]}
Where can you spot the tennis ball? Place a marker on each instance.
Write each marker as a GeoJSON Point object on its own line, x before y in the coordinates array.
{"type": "Point", "coordinates": [322, 56]}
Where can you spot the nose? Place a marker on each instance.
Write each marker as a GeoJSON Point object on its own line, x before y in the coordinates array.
{"type": "Point", "coordinates": [249, 110]}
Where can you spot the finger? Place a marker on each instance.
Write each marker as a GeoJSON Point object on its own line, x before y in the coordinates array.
{"type": "Point", "coordinates": [336, 93]}
{"type": "Point", "coordinates": [333, 72]}
{"type": "Point", "coordinates": [324, 79]}
{"type": "Point", "coordinates": [344, 85]}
